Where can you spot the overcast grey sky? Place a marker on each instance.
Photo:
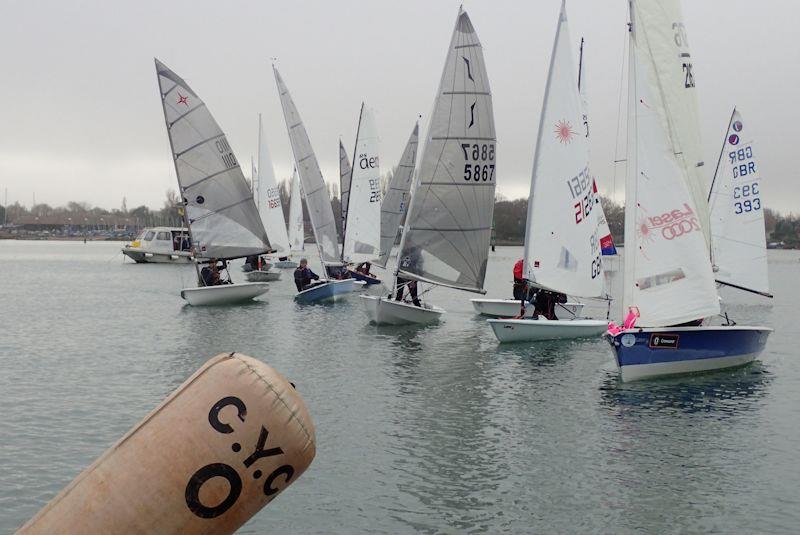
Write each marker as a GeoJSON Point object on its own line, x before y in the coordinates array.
{"type": "Point", "coordinates": [80, 117]}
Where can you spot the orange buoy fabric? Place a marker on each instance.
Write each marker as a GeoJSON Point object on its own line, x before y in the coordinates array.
{"type": "Point", "coordinates": [212, 454]}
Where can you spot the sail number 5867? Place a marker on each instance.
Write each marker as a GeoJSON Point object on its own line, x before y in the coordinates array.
{"type": "Point", "coordinates": [477, 166]}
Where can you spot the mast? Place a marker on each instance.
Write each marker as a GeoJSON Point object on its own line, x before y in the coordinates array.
{"type": "Point", "coordinates": [719, 160]}
{"type": "Point", "coordinates": [580, 65]}
{"type": "Point", "coordinates": [629, 259]}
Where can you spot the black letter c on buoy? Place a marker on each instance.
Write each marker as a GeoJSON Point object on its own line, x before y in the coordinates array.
{"type": "Point", "coordinates": [199, 478]}
{"type": "Point", "coordinates": [213, 414]}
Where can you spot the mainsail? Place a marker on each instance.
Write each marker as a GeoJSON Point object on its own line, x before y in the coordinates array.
{"type": "Point", "coordinates": [297, 232]}
{"type": "Point", "coordinates": [562, 243]}
{"type": "Point", "coordinates": [447, 232]}
{"type": "Point", "coordinates": [362, 237]}
{"type": "Point", "coordinates": [219, 205]}
{"type": "Point", "coordinates": [668, 274]}
{"type": "Point", "coordinates": [395, 202]}
{"type": "Point", "coordinates": [345, 175]}
{"type": "Point", "coordinates": [268, 199]}
{"type": "Point", "coordinates": [739, 249]}
{"type": "Point", "coordinates": [318, 201]}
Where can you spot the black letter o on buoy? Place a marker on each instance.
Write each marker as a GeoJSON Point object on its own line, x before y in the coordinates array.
{"type": "Point", "coordinates": [199, 478]}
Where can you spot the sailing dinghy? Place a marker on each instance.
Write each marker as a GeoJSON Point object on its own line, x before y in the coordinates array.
{"type": "Point", "coordinates": [268, 202]}
{"type": "Point", "coordinates": [562, 247]}
{"type": "Point", "coordinates": [318, 203]}
{"type": "Point", "coordinates": [738, 236]}
{"type": "Point", "coordinates": [219, 209]}
{"type": "Point", "coordinates": [362, 211]}
{"type": "Point", "coordinates": [669, 281]}
{"type": "Point", "coordinates": [445, 240]}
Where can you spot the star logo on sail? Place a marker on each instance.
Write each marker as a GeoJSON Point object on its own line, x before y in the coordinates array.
{"type": "Point", "coordinates": [183, 100]}
{"type": "Point", "coordinates": [564, 132]}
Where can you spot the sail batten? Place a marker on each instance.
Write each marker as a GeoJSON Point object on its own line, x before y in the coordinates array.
{"type": "Point", "coordinates": [459, 154]}
{"type": "Point", "coordinates": [220, 211]}
{"type": "Point", "coordinates": [318, 201]}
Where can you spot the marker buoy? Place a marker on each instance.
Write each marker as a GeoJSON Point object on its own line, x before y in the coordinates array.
{"type": "Point", "coordinates": [212, 454]}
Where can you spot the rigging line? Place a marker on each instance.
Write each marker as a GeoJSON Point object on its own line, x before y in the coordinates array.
{"type": "Point", "coordinates": [617, 159]}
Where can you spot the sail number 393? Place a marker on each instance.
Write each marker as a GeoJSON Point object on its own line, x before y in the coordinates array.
{"type": "Point", "coordinates": [477, 166]}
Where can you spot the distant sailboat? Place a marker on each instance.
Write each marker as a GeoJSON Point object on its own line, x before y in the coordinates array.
{"type": "Point", "coordinates": [669, 282]}
{"type": "Point", "coordinates": [318, 202]}
{"type": "Point", "coordinates": [218, 205]}
{"type": "Point", "coordinates": [398, 194]}
{"type": "Point", "coordinates": [362, 227]}
{"type": "Point", "coordinates": [562, 246]}
{"type": "Point", "coordinates": [738, 237]}
{"type": "Point", "coordinates": [445, 240]}
{"type": "Point", "coordinates": [297, 231]}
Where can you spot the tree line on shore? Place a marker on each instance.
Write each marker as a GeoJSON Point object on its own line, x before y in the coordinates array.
{"type": "Point", "coordinates": [509, 216]}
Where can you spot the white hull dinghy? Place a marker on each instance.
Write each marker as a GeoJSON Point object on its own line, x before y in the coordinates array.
{"type": "Point", "coordinates": [224, 294]}
{"type": "Point", "coordinates": [220, 214]}
{"type": "Point", "coordinates": [510, 308]}
{"type": "Point", "coordinates": [263, 276]}
{"type": "Point", "coordinates": [385, 311]}
{"type": "Point", "coordinates": [531, 330]}
{"type": "Point", "coordinates": [562, 248]}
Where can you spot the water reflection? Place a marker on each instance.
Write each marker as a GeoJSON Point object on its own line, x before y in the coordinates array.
{"type": "Point", "coordinates": [726, 392]}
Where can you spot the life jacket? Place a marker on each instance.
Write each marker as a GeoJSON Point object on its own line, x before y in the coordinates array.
{"type": "Point", "coordinates": [518, 269]}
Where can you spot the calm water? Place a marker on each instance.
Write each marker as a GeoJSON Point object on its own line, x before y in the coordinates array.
{"type": "Point", "coordinates": [433, 429]}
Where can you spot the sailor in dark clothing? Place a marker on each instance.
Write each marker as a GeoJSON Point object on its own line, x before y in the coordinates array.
{"type": "Point", "coordinates": [412, 290]}
{"type": "Point", "coordinates": [210, 275]}
{"type": "Point", "coordinates": [363, 268]}
{"type": "Point", "coordinates": [303, 276]}
{"type": "Point", "coordinates": [545, 303]}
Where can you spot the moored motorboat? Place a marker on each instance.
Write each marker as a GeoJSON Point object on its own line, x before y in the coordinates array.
{"type": "Point", "coordinates": [532, 330]}
{"type": "Point", "coordinates": [160, 245]}
{"type": "Point", "coordinates": [510, 308]}
{"type": "Point", "coordinates": [386, 311]}
{"type": "Point", "coordinates": [224, 294]}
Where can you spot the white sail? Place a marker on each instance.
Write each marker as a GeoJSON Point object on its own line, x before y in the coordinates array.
{"type": "Point", "coordinates": [739, 248]}
{"type": "Point", "coordinates": [219, 205]}
{"type": "Point", "coordinates": [562, 245]}
{"type": "Point", "coordinates": [318, 201]}
{"type": "Point", "coordinates": [607, 247]}
{"type": "Point", "coordinates": [447, 231]}
{"type": "Point", "coordinates": [297, 232]}
{"type": "Point", "coordinates": [667, 269]}
{"type": "Point", "coordinates": [345, 175]}
{"type": "Point", "coordinates": [398, 194]}
{"type": "Point", "coordinates": [268, 198]}
{"type": "Point", "coordinates": [362, 237]}
{"type": "Point", "coordinates": [663, 34]}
